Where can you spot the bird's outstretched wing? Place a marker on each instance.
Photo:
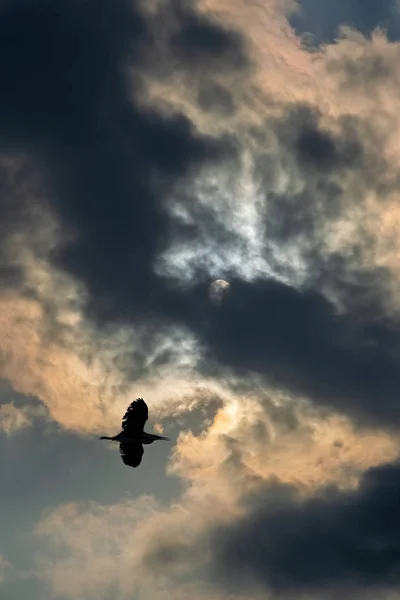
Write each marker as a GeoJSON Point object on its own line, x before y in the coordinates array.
{"type": "Point", "coordinates": [131, 454]}
{"type": "Point", "coordinates": [135, 417]}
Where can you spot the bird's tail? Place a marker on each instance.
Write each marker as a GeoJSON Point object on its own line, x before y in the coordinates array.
{"type": "Point", "coordinates": [162, 437]}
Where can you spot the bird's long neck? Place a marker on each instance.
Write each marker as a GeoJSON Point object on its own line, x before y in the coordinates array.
{"type": "Point", "coordinates": [103, 437]}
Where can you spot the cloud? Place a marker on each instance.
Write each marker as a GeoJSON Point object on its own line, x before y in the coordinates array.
{"type": "Point", "coordinates": [103, 547]}
{"type": "Point", "coordinates": [82, 158]}
{"type": "Point", "coordinates": [335, 542]}
{"type": "Point", "coordinates": [146, 151]}
{"type": "Point", "coordinates": [51, 350]}
{"type": "Point", "coordinates": [319, 196]}
{"type": "Point", "coordinates": [148, 206]}
{"type": "Point", "coordinates": [199, 39]}
{"type": "Point", "coordinates": [13, 419]}
{"type": "Point", "coordinates": [296, 340]}
{"type": "Point", "coordinates": [96, 534]}
{"type": "Point", "coordinates": [267, 434]}
{"type": "Point", "coordinates": [94, 141]}
{"type": "Point", "coordinates": [166, 549]}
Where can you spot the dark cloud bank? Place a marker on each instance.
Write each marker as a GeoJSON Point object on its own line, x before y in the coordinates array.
{"type": "Point", "coordinates": [71, 82]}
{"type": "Point", "coordinates": [336, 543]}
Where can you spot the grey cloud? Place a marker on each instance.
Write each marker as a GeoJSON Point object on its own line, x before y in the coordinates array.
{"type": "Point", "coordinates": [296, 340]}
{"type": "Point", "coordinates": [215, 98]}
{"type": "Point", "coordinates": [185, 40]}
{"type": "Point", "coordinates": [106, 160]}
{"type": "Point", "coordinates": [369, 72]}
{"type": "Point", "coordinates": [199, 40]}
{"type": "Point", "coordinates": [335, 542]}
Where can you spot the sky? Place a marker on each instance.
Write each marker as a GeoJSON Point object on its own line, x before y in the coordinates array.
{"type": "Point", "coordinates": [200, 206]}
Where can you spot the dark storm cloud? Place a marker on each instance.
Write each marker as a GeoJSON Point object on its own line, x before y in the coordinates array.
{"type": "Point", "coordinates": [298, 341]}
{"type": "Point", "coordinates": [323, 156]}
{"type": "Point", "coordinates": [70, 80]}
{"type": "Point", "coordinates": [192, 43]}
{"type": "Point", "coordinates": [199, 40]}
{"type": "Point", "coordinates": [318, 149]}
{"type": "Point", "coordinates": [323, 18]}
{"type": "Point", "coordinates": [215, 98]}
{"type": "Point", "coordinates": [112, 194]}
{"type": "Point", "coordinates": [14, 218]}
{"type": "Point", "coordinates": [56, 59]}
{"type": "Point", "coordinates": [334, 542]}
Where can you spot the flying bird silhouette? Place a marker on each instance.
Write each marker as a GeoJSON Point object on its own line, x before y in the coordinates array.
{"type": "Point", "coordinates": [133, 435]}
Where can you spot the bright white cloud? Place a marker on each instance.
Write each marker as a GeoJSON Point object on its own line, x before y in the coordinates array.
{"type": "Point", "coordinates": [228, 211]}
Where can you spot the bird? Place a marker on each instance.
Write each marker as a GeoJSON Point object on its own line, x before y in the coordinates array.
{"type": "Point", "coordinates": [132, 437]}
